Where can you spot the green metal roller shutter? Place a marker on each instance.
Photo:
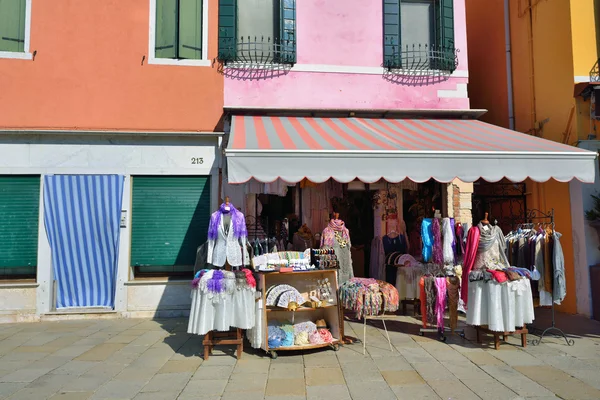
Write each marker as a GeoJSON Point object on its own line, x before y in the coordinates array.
{"type": "Point", "coordinates": [19, 221]}
{"type": "Point", "coordinates": [170, 216]}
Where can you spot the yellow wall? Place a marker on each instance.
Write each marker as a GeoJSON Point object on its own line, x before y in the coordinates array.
{"type": "Point", "coordinates": [551, 43]}
{"type": "Point", "coordinates": [583, 30]}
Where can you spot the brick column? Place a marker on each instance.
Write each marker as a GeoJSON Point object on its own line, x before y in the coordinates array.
{"type": "Point", "coordinates": [461, 200]}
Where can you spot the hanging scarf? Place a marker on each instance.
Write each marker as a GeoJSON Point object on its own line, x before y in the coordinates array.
{"type": "Point", "coordinates": [423, 298]}
{"type": "Point", "coordinates": [452, 285]}
{"type": "Point", "coordinates": [438, 256]}
{"type": "Point", "coordinates": [430, 297]}
{"type": "Point", "coordinates": [489, 236]}
{"type": "Point", "coordinates": [335, 231]}
{"type": "Point", "coordinates": [237, 222]}
{"type": "Point", "coordinates": [460, 245]}
{"type": "Point", "coordinates": [440, 302]}
{"type": "Point", "coordinates": [469, 261]}
{"type": "Point", "coordinates": [427, 238]}
{"type": "Point", "coordinates": [453, 244]}
{"type": "Point", "coordinates": [448, 240]}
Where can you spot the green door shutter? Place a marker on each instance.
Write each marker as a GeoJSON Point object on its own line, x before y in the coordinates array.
{"type": "Point", "coordinates": [190, 29]}
{"type": "Point", "coordinates": [19, 208]}
{"type": "Point", "coordinates": [288, 31]}
{"type": "Point", "coordinates": [445, 35]}
{"type": "Point", "coordinates": [391, 34]}
{"type": "Point", "coordinates": [227, 30]}
{"type": "Point", "coordinates": [170, 216]}
{"type": "Point", "coordinates": [12, 25]}
{"type": "Point", "coordinates": [166, 29]}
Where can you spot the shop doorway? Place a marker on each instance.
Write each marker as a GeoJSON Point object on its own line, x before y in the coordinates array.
{"type": "Point", "coordinates": [356, 210]}
{"type": "Point", "coordinates": [505, 202]}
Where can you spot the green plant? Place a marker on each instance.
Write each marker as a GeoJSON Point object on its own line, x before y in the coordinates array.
{"type": "Point", "coordinates": [594, 213]}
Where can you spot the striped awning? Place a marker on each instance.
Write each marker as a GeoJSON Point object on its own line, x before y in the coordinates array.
{"type": "Point", "coordinates": [345, 149]}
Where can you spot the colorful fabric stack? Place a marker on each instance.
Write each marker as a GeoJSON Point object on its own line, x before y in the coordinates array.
{"type": "Point", "coordinates": [364, 297]}
{"type": "Point", "coordinates": [391, 299]}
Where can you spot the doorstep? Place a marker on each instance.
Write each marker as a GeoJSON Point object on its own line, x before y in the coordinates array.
{"type": "Point", "coordinates": [80, 313]}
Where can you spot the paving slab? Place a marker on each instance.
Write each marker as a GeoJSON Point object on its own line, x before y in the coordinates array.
{"type": "Point", "coordinates": [560, 383]}
{"type": "Point", "coordinates": [414, 392]}
{"type": "Point", "coordinates": [326, 376]}
{"type": "Point", "coordinates": [327, 392]}
{"type": "Point", "coordinates": [286, 386]}
{"type": "Point", "coordinates": [371, 390]}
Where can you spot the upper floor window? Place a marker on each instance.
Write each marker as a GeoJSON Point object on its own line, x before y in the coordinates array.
{"type": "Point", "coordinates": [419, 35]}
{"type": "Point", "coordinates": [257, 32]}
{"type": "Point", "coordinates": [178, 32]}
{"type": "Point", "coordinates": [14, 28]}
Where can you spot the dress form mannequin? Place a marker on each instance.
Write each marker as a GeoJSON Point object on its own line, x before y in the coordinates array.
{"type": "Point", "coordinates": [303, 239]}
{"type": "Point", "coordinates": [337, 237]}
{"type": "Point", "coordinates": [227, 237]}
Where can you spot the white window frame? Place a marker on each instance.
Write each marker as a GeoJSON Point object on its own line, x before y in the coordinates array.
{"type": "Point", "coordinates": [152, 59]}
{"type": "Point", "coordinates": [26, 54]}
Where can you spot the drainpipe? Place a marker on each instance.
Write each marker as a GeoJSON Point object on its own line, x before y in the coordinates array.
{"type": "Point", "coordinates": [509, 78]}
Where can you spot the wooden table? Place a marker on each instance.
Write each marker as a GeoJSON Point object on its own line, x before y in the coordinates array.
{"type": "Point", "coordinates": [213, 338]}
{"type": "Point", "coordinates": [484, 329]}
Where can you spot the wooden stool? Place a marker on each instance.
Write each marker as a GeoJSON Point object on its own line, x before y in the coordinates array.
{"type": "Point", "coordinates": [212, 339]}
{"type": "Point", "coordinates": [523, 332]}
{"type": "Point", "coordinates": [416, 303]}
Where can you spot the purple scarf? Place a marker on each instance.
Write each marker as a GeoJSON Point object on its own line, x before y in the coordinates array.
{"type": "Point", "coordinates": [238, 222]}
{"type": "Point", "coordinates": [438, 256]}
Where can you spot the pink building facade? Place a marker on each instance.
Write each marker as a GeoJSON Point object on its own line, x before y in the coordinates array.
{"type": "Point", "coordinates": [339, 58]}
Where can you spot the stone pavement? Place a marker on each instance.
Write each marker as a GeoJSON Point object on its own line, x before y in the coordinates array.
{"type": "Point", "coordinates": [157, 359]}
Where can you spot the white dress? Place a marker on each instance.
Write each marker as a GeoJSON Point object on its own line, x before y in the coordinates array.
{"type": "Point", "coordinates": [232, 308]}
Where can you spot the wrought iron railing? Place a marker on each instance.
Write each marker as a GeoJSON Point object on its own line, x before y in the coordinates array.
{"type": "Point", "coordinates": [257, 51]}
{"type": "Point", "coordinates": [425, 57]}
{"type": "Point", "coordinates": [595, 72]}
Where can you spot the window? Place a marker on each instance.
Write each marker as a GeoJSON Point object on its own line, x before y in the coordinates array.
{"type": "Point", "coordinates": [169, 220]}
{"type": "Point", "coordinates": [257, 31]}
{"type": "Point", "coordinates": [20, 210]}
{"type": "Point", "coordinates": [14, 28]}
{"type": "Point", "coordinates": [178, 32]}
{"type": "Point", "coordinates": [419, 34]}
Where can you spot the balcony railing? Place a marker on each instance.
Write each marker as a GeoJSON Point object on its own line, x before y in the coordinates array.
{"type": "Point", "coordinates": [424, 58]}
{"type": "Point", "coordinates": [595, 72]}
{"type": "Point", "coordinates": [257, 52]}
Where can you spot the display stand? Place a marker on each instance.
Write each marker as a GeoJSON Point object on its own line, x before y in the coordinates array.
{"type": "Point", "coordinates": [302, 280]}
{"type": "Point", "coordinates": [212, 339]}
{"type": "Point", "coordinates": [381, 318]}
{"type": "Point", "coordinates": [548, 218]}
{"type": "Point", "coordinates": [522, 331]}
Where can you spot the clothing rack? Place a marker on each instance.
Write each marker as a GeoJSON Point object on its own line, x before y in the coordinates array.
{"type": "Point", "coordinates": [546, 218]}
{"type": "Point", "coordinates": [435, 270]}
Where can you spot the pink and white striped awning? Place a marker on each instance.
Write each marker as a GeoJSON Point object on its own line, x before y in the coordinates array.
{"type": "Point", "coordinates": [345, 149]}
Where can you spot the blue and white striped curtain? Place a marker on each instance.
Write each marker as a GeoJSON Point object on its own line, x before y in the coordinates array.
{"type": "Point", "coordinates": [82, 215]}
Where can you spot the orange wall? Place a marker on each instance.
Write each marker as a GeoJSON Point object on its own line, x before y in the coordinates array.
{"type": "Point", "coordinates": [487, 59]}
{"type": "Point", "coordinates": [88, 74]}
{"type": "Point", "coordinates": [542, 64]}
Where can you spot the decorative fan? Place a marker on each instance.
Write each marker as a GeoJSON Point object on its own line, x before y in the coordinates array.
{"type": "Point", "coordinates": [275, 291]}
{"type": "Point", "coordinates": [288, 297]}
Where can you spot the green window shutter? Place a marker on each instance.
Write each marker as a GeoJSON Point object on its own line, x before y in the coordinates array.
{"type": "Point", "coordinates": [288, 31]}
{"type": "Point", "coordinates": [166, 29]}
{"type": "Point", "coordinates": [12, 25]}
{"type": "Point", "coordinates": [19, 207]}
{"type": "Point", "coordinates": [227, 30]}
{"type": "Point", "coordinates": [190, 29]}
{"type": "Point", "coordinates": [391, 34]}
{"type": "Point", "coordinates": [170, 216]}
{"type": "Point", "coordinates": [445, 35]}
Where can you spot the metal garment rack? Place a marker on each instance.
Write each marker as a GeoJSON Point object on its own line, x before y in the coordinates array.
{"type": "Point", "coordinates": [546, 218]}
